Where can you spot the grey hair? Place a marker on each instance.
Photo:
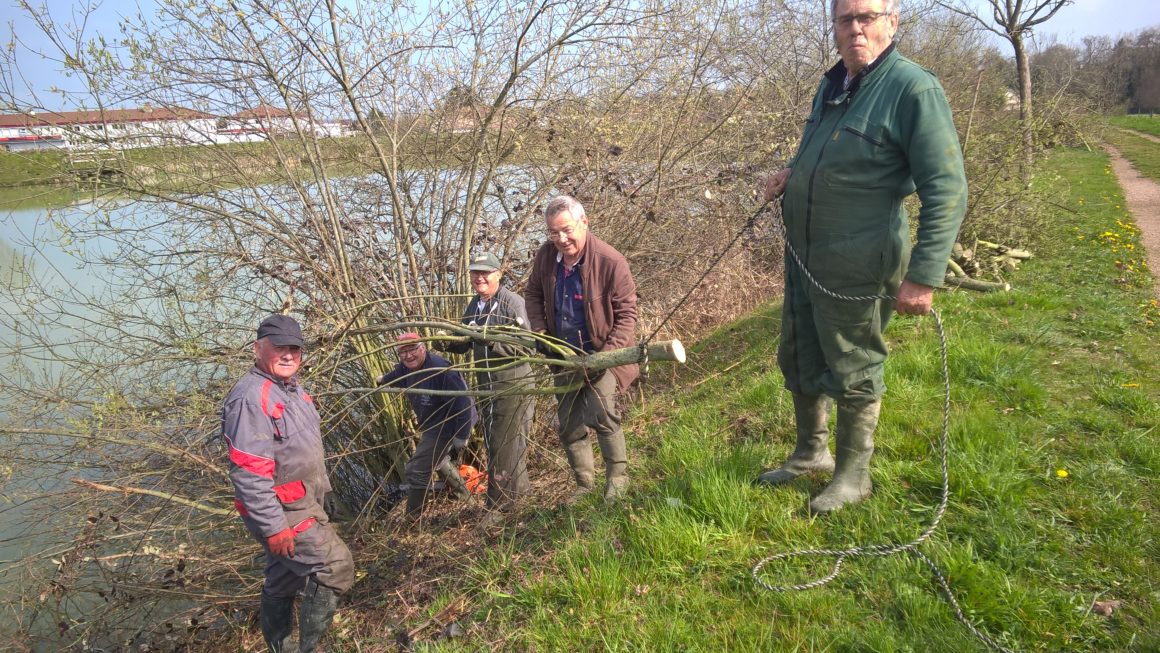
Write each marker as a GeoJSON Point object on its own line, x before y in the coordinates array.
{"type": "Point", "coordinates": [564, 203]}
{"type": "Point", "coordinates": [890, 7]}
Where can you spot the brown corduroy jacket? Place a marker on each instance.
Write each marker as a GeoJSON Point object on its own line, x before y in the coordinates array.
{"type": "Point", "coordinates": [609, 299]}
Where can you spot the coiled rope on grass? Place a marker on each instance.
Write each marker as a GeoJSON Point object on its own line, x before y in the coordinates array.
{"type": "Point", "coordinates": [869, 550]}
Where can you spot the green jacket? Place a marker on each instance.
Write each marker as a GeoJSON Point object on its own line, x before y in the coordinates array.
{"type": "Point", "coordinates": [862, 152]}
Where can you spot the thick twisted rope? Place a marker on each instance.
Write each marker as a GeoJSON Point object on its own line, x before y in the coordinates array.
{"type": "Point", "coordinates": [695, 286]}
{"type": "Point", "coordinates": [886, 549]}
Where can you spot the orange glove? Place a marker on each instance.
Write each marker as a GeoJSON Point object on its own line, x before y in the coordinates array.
{"type": "Point", "coordinates": [282, 544]}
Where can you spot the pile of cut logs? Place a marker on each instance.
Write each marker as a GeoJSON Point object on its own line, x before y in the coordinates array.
{"type": "Point", "coordinates": [985, 258]}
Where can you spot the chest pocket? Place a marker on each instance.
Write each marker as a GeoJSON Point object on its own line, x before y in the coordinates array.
{"type": "Point", "coordinates": [861, 154]}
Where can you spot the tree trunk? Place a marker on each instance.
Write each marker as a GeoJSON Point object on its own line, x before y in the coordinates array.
{"type": "Point", "coordinates": [1023, 68]}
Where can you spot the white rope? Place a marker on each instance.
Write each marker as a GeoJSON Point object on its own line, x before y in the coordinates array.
{"type": "Point", "coordinates": [887, 549]}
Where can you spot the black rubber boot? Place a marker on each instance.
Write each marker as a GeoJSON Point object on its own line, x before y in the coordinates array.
{"type": "Point", "coordinates": [415, 499]}
{"type": "Point", "coordinates": [811, 453]}
{"type": "Point", "coordinates": [275, 616]}
{"type": "Point", "coordinates": [314, 616]}
{"type": "Point", "coordinates": [854, 437]}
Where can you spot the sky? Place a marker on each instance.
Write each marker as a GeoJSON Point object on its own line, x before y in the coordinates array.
{"type": "Point", "coordinates": [1072, 23]}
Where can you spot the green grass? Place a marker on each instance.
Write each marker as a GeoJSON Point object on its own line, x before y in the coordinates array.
{"type": "Point", "coordinates": [31, 168]}
{"type": "Point", "coordinates": [190, 168]}
{"type": "Point", "coordinates": [1143, 153]}
{"type": "Point", "coordinates": [1149, 124]}
{"type": "Point", "coordinates": [1058, 374]}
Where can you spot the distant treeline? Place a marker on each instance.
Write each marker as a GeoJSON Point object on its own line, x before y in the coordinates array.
{"type": "Point", "coordinates": [1115, 74]}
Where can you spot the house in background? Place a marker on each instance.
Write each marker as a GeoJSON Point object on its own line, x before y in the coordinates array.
{"type": "Point", "coordinates": [264, 121]}
{"type": "Point", "coordinates": [21, 133]}
{"type": "Point", "coordinates": [106, 129]}
{"type": "Point", "coordinates": [120, 129]}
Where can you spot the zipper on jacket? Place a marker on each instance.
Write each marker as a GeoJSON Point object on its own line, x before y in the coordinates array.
{"type": "Point", "coordinates": [810, 190]}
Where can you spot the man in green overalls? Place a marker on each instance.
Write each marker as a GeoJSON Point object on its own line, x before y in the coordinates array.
{"type": "Point", "coordinates": [879, 129]}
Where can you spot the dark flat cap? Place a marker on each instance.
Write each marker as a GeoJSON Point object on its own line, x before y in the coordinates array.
{"type": "Point", "coordinates": [281, 330]}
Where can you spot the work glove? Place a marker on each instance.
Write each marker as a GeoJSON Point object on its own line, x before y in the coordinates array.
{"type": "Point", "coordinates": [282, 543]}
{"type": "Point", "coordinates": [459, 444]}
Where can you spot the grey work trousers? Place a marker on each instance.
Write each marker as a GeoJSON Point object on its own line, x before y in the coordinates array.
{"type": "Point", "coordinates": [432, 448]}
{"type": "Point", "coordinates": [593, 406]}
{"type": "Point", "coordinates": [318, 553]}
{"type": "Point", "coordinates": [507, 418]}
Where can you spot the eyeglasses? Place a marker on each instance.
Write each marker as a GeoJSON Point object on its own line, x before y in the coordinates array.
{"type": "Point", "coordinates": [862, 19]}
{"type": "Point", "coordinates": [566, 232]}
{"type": "Point", "coordinates": [410, 349]}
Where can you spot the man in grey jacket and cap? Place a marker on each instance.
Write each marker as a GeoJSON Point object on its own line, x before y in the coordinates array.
{"type": "Point", "coordinates": [273, 432]}
{"type": "Point", "coordinates": [507, 414]}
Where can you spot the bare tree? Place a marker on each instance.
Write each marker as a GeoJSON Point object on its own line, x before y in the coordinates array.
{"type": "Point", "coordinates": [1014, 21]}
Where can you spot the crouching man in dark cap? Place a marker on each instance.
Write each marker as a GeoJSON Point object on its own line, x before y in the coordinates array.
{"type": "Point", "coordinates": [272, 430]}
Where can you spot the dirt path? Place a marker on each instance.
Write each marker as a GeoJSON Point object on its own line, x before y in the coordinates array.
{"type": "Point", "coordinates": [1143, 199]}
{"type": "Point", "coordinates": [1149, 137]}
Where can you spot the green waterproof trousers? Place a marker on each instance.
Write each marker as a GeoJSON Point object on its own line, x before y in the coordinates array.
{"type": "Point", "coordinates": [832, 346]}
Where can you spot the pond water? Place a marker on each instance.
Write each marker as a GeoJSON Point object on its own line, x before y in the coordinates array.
{"type": "Point", "coordinates": [52, 292]}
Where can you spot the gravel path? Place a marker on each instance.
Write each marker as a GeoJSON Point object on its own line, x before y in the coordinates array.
{"type": "Point", "coordinates": [1143, 198]}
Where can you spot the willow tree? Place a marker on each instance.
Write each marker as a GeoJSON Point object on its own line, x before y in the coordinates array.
{"type": "Point", "coordinates": [1014, 21]}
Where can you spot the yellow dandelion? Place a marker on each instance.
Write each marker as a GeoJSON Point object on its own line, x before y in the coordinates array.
{"type": "Point", "coordinates": [1061, 473]}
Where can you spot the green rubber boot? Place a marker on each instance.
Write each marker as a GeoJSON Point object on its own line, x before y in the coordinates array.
{"type": "Point", "coordinates": [854, 437]}
{"type": "Point", "coordinates": [314, 616]}
{"type": "Point", "coordinates": [454, 481]}
{"type": "Point", "coordinates": [275, 615]}
{"type": "Point", "coordinates": [583, 466]}
{"type": "Point", "coordinates": [811, 453]}
{"type": "Point", "coordinates": [615, 456]}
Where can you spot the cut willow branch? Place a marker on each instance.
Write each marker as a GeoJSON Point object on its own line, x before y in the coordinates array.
{"type": "Point", "coordinates": [976, 284]}
{"type": "Point", "coordinates": [154, 493]}
{"type": "Point", "coordinates": [669, 351]}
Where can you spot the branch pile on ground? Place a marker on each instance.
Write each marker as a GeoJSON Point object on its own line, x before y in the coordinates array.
{"type": "Point", "coordinates": [989, 259]}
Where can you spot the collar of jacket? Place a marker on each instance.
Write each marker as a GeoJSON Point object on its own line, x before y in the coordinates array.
{"type": "Point", "coordinates": [837, 76]}
{"type": "Point", "coordinates": [583, 253]}
{"type": "Point", "coordinates": [290, 385]}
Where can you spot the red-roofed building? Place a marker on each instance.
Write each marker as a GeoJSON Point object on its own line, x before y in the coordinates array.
{"type": "Point", "coordinates": [264, 121]}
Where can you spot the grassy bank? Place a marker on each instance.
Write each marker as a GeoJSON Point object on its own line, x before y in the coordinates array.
{"type": "Point", "coordinates": [232, 164]}
{"type": "Point", "coordinates": [1053, 489]}
{"type": "Point", "coordinates": [1149, 124]}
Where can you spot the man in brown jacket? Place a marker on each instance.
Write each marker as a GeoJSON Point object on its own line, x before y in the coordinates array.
{"type": "Point", "coordinates": [581, 291]}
